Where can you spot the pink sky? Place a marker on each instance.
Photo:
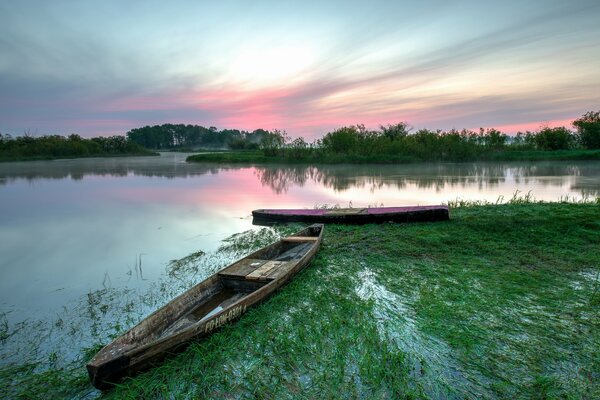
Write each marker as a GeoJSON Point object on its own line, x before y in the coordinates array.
{"type": "Point", "coordinates": [304, 68]}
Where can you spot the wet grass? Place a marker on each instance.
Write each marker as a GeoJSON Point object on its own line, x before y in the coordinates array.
{"type": "Point", "coordinates": [500, 302]}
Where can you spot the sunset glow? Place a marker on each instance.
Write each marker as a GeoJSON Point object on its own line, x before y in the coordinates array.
{"type": "Point", "coordinates": [102, 70]}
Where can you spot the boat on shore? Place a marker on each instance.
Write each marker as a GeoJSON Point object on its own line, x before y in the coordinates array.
{"type": "Point", "coordinates": [204, 308]}
{"type": "Point", "coordinates": [353, 215]}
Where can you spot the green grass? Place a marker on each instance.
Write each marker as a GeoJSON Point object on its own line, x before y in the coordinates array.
{"type": "Point", "coordinates": [6, 158]}
{"type": "Point", "coordinates": [509, 155]}
{"type": "Point", "coordinates": [503, 301]}
{"type": "Point", "coordinates": [539, 155]}
{"type": "Point", "coordinates": [234, 157]}
{"type": "Point", "coordinates": [259, 158]}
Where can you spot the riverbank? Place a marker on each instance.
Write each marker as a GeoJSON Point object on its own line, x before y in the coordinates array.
{"type": "Point", "coordinates": [258, 157]}
{"type": "Point", "coordinates": [145, 153]}
{"type": "Point", "coordinates": [499, 302]}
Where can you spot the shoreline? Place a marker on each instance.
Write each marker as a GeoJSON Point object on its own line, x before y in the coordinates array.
{"type": "Point", "coordinates": [52, 158]}
{"type": "Point", "coordinates": [260, 158]}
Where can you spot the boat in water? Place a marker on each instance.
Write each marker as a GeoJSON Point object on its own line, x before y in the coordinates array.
{"type": "Point", "coordinates": [201, 310]}
{"type": "Point", "coordinates": [353, 215]}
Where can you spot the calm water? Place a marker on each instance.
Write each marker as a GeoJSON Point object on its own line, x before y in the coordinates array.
{"type": "Point", "coordinates": [72, 227]}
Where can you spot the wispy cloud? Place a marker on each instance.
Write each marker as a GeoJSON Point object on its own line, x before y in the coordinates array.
{"type": "Point", "coordinates": [104, 69]}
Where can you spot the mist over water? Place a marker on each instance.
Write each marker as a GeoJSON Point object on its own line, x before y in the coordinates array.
{"type": "Point", "coordinates": [72, 227]}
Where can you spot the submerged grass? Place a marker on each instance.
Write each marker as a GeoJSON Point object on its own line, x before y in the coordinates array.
{"type": "Point", "coordinates": [500, 302]}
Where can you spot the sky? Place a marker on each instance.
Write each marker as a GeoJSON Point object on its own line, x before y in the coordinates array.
{"type": "Point", "coordinates": [105, 67]}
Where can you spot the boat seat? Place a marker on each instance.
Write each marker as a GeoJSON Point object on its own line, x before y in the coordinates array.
{"type": "Point", "coordinates": [252, 269]}
{"type": "Point", "coordinates": [262, 273]}
{"type": "Point", "coordinates": [240, 269]}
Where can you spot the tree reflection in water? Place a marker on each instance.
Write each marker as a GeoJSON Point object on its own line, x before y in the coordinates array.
{"type": "Point", "coordinates": [432, 176]}
{"type": "Point", "coordinates": [584, 175]}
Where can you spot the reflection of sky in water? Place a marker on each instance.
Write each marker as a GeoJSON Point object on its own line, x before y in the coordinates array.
{"type": "Point", "coordinates": [70, 227]}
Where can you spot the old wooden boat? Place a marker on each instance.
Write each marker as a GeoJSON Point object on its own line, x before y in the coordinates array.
{"type": "Point", "coordinates": [353, 215]}
{"type": "Point", "coordinates": [197, 313]}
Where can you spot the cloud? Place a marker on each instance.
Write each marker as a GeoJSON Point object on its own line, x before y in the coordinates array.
{"type": "Point", "coordinates": [69, 66]}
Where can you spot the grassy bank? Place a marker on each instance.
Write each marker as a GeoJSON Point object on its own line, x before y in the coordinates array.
{"type": "Point", "coordinates": [539, 155]}
{"type": "Point", "coordinates": [259, 157]}
{"type": "Point", "coordinates": [51, 157]}
{"type": "Point", "coordinates": [500, 302]}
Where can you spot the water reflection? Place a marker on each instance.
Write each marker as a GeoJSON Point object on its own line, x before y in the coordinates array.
{"type": "Point", "coordinates": [583, 177]}
{"type": "Point", "coordinates": [168, 165]}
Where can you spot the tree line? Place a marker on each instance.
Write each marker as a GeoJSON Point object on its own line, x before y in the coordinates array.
{"type": "Point", "coordinates": [54, 146]}
{"type": "Point", "coordinates": [396, 141]}
{"type": "Point", "coordinates": [180, 136]}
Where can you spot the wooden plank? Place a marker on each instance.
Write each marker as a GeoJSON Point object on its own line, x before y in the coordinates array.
{"type": "Point", "coordinates": [299, 239]}
{"type": "Point", "coordinates": [240, 269]}
{"type": "Point", "coordinates": [262, 272]}
{"type": "Point", "coordinates": [276, 273]}
{"type": "Point", "coordinates": [295, 252]}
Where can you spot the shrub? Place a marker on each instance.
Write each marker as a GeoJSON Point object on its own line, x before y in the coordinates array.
{"type": "Point", "coordinates": [494, 139]}
{"type": "Point", "coordinates": [588, 127]}
{"type": "Point", "coordinates": [343, 140]}
{"type": "Point", "coordinates": [298, 149]}
{"type": "Point", "coordinates": [396, 131]}
{"type": "Point", "coordinates": [559, 138]}
{"type": "Point", "coordinates": [272, 142]}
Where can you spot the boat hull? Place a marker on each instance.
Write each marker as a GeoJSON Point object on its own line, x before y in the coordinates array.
{"type": "Point", "coordinates": [353, 216]}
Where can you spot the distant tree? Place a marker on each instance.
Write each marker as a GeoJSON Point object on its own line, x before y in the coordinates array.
{"type": "Point", "coordinates": [259, 132]}
{"type": "Point", "coordinates": [237, 144]}
{"type": "Point", "coordinates": [518, 140]}
{"type": "Point", "coordinates": [342, 140]}
{"type": "Point", "coordinates": [559, 138]}
{"type": "Point", "coordinates": [493, 139]}
{"type": "Point", "coordinates": [588, 127]}
{"type": "Point", "coordinates": [272, 142]}
{"type": "Point", "coordinates": [298, 148]}
{"type": "Point", "coordinates": [254, 138]}
{"type": "Point", "coordinates": [396, 131]}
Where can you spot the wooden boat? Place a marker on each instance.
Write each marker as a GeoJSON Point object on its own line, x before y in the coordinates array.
{"type": "Point", "coordinates": [353, 215]}
{"type": "Point", "coordinates": [197, 313]}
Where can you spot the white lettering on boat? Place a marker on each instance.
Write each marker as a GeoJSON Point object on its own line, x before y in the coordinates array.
{"type": "Point", "coordinates": [224, 318]}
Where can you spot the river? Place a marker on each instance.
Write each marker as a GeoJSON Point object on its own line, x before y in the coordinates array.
{"type": "Point", "coordinates": [71, 228]}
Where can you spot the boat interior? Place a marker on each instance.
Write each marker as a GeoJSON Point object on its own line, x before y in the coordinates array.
{"type": "Point", "coordinates": [230, 285]}
{"type": "Point", "coordinates": [215, 294]}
